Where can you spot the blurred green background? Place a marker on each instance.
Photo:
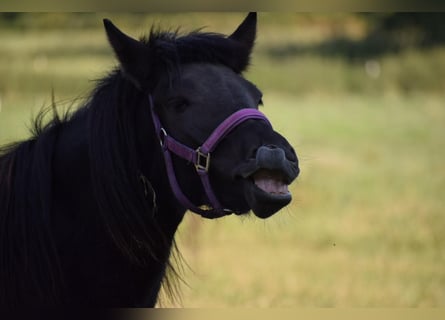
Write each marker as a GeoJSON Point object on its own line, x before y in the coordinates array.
{"type": "Point", "coordinates": [360, 96]}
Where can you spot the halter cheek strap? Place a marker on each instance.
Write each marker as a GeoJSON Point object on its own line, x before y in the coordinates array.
{"type": "Point", "coordinates": [200, 157]}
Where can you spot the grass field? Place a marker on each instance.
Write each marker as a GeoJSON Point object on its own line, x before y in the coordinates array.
{"type": "Point", "coordinates": [366, 226]}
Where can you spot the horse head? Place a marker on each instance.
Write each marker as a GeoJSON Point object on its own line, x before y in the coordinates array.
{"type": "Point", "coordinates": [194, 84]}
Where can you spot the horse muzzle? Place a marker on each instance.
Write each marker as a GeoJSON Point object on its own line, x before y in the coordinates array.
{"type": "Point", "coordinates": [267, 178]}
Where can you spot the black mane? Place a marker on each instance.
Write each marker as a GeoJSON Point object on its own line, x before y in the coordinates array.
{"type": "Point", "coordinates": [26, 244]}
{"type": "Point", "coordinates": [112, 111]}
{"type": "Point", "coordinates": [26, 180]}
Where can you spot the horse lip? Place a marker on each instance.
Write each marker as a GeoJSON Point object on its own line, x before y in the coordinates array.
{"type": "Point", "coordinates": [274, 158]}
{"type": "Point", "coordinates": [288, 173]}
{"type": "Point", "coordinates": [262, 203]}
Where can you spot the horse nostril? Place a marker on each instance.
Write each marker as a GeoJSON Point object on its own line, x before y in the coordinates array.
{"type": "Point", "coordinates": [271, 146]}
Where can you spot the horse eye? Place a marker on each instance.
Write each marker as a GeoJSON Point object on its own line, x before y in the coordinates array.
{"type": "Point", "coordinates": [178, 104]}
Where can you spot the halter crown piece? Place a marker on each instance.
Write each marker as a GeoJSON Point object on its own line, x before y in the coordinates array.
{"type": "Point", "coordinates": [200, 157]}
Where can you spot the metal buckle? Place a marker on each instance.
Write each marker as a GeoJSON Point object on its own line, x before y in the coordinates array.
{"type": "Point", "coordinates": [162, 135]}
{"type": "Point", "coordinates": [202, 161]}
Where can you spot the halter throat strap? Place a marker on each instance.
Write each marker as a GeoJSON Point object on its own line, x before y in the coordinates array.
{"type": "Point", "coordinates": [200, 157]}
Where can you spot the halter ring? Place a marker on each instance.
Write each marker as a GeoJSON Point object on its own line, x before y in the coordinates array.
{"type": "Point", "coordinates": [162, 135]}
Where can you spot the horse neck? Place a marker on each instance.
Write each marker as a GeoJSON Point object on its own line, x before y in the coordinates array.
{"type": "Point", "coordinates": [122, 146]}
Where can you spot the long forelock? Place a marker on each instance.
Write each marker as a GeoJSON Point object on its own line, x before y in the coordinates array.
{"type": "Point", "coordinates": [173, 48]}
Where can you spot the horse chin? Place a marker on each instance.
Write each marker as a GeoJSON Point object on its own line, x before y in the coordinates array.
{"type": "Point", "coordinates": [262, 198]}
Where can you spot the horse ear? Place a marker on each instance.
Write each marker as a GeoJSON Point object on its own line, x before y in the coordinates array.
{"type": "Point", "coordinates": [132, 54]}
{"type": "Point", "coordinates": [245, 35]}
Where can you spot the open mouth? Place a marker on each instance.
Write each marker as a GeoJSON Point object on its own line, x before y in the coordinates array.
{"type": "Point", "coordinates": [266, 181]}
{"type": "Point", "coordinates": [267, 192]}
{"type": "Point", "coordinates": [271, 182]}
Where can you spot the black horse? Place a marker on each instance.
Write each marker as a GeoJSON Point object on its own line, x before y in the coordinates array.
{"type": "Point", "coordinates": [90, 204]}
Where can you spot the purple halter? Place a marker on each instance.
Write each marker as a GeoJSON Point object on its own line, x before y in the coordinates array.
{"type": "Point", "coordinates": [200, 157]}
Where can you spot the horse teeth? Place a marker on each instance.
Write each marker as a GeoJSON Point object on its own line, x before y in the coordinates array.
{"type": "Point", "coordinates": [270, 184]}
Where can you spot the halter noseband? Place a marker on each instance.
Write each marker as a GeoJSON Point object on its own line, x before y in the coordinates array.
{"type": "Point", "coordinates": [200, 157]}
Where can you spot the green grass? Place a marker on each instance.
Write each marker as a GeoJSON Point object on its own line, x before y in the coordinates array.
{"type": "Point", "coordinates": [366, 225]}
